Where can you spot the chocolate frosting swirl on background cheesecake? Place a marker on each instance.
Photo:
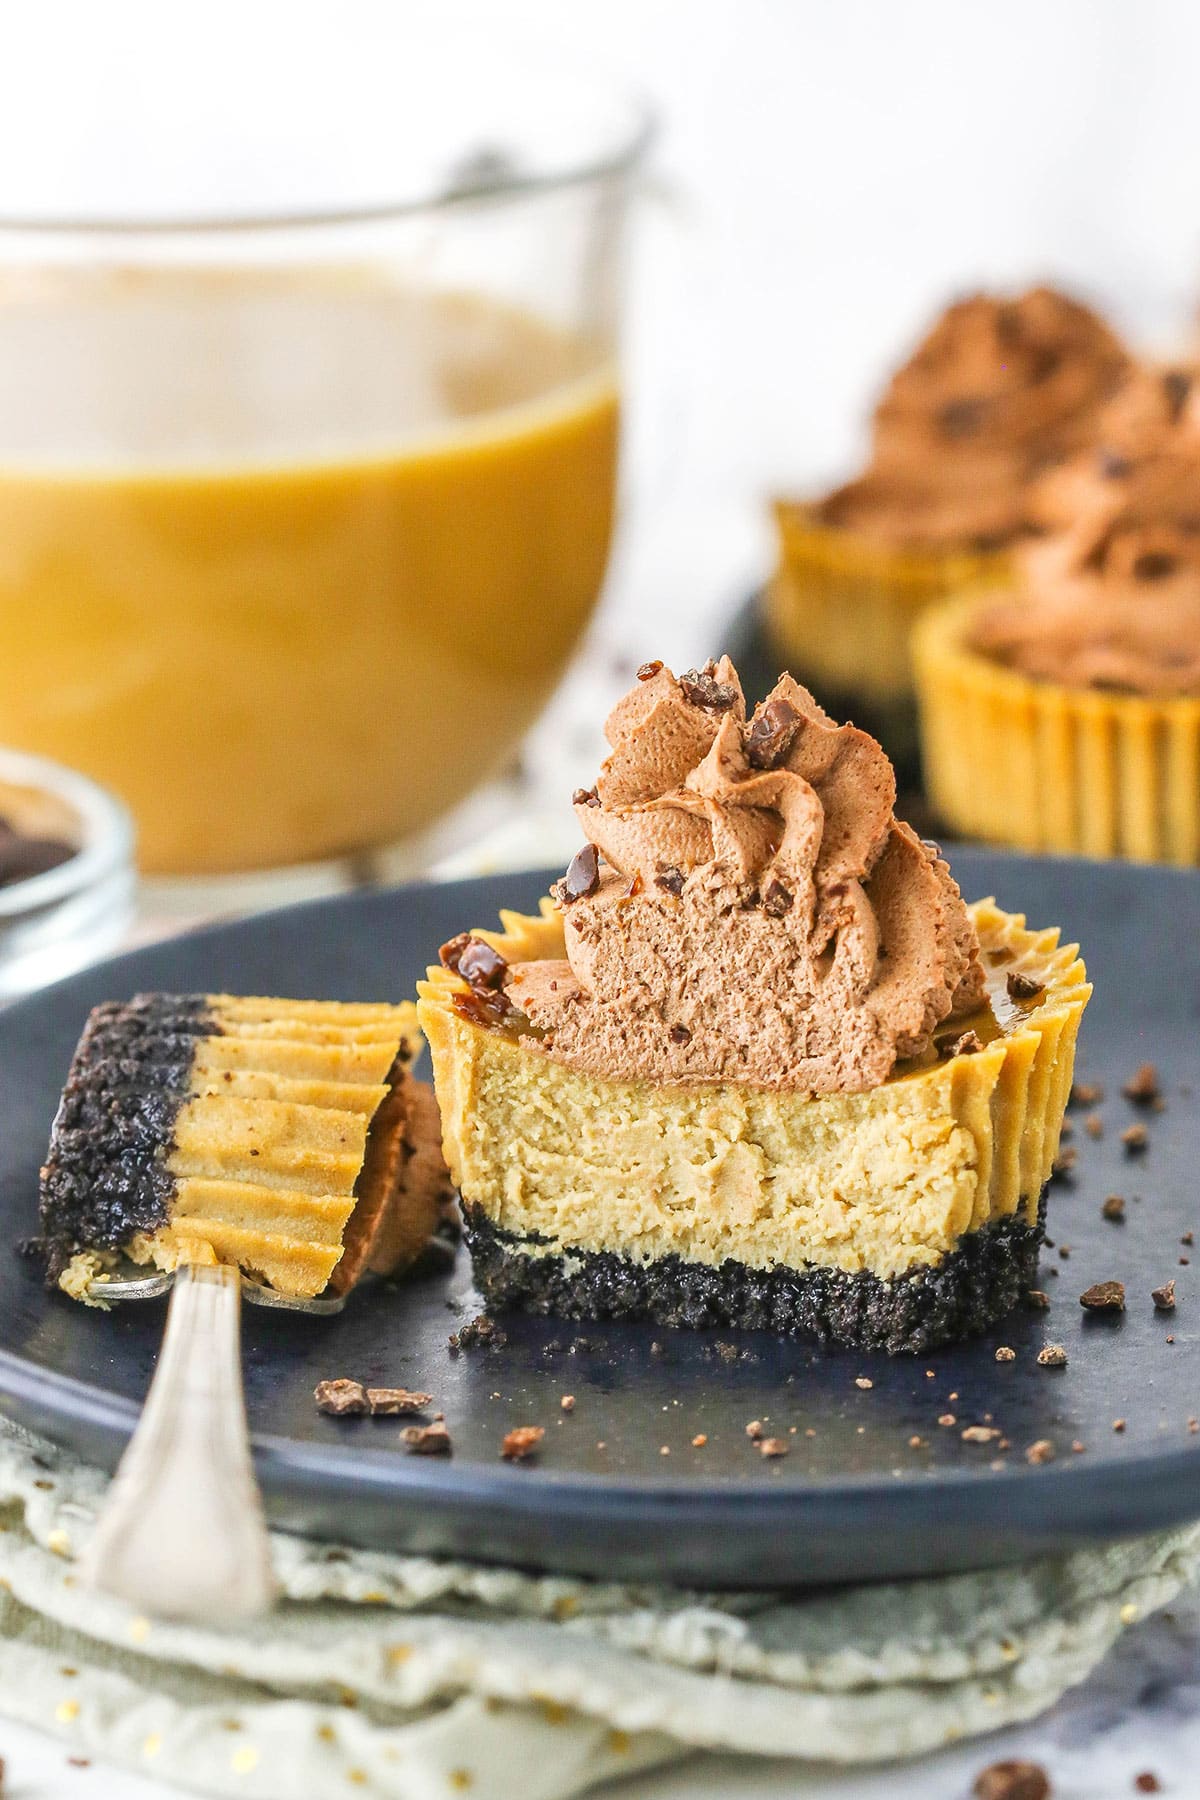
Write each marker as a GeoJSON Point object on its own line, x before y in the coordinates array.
{"type": "Point", "coordinates": [998, 390]}
{"type": "Point", "coordinates": [747, 905]}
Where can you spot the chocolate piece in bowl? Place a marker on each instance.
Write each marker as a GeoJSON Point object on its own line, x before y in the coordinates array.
{"type": "Point", "coordinates": [758, 1063]}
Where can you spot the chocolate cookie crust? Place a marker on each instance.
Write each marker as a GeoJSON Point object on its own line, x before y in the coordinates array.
{"type": "Point", "coordinates": [975, 1285]}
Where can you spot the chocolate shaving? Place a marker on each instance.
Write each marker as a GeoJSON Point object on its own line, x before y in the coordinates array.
{"type": "Point", "coordinates": [521, 1443]}
{"type": "Point", "coordinates": [1104, 1296]}
{"type": "Point", "coordinates": [770, 734]}
{"type": "Point", "coordinates": [700, 687]}
{"type": "Point", "coordinates": [582, 877]}
{"type": "Point", "coordinates": [341, 1397]}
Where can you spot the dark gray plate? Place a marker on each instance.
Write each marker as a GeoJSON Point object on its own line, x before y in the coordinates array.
{"type": "Point", "coordinates": [853, 1500]}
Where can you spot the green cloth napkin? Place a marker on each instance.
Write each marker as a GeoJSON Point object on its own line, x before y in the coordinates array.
{"type": "Point", "coordinates": [404, 1676]}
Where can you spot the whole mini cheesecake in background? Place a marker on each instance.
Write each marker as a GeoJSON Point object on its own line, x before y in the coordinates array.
{"type": "Point", "coordinates": [996, 392]}
{"type": "Point", "coordinates": [756, 1062]}
{"type": "Point", "coordinates": [288, 1137]}
{"type": "Point", "coordinates": [1066, 716]}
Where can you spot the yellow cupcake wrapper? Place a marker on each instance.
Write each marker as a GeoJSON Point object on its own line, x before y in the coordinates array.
{"type": "Point", "coordinates": [1046, 767]}
{"type": "Point", "coordinates": [841, 607]}
{"type": "Point", "coordinates": [981, 1131]}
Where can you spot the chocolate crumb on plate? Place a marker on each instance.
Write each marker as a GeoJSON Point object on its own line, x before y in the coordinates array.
{"type": "Point", "coordinates": [699, 1441]}
{"type": "Point", "coordinates": [1064, 1163]}
{"type": "Point", "coordinates": [341, 1397]}
{"type": "Point", "coordinates": [1005, 1353]}
{"type": "Point", "coordinates": [1143, 1086]}
{"type": "Point", "coordinates": [1104, 1296]}
{"type": "Point", "coordinates": [386, 1402]}
{"type": "Point", "coordinates": [774, 1446]}
{"type": "Point", "coordinates": [1086, 1093]}
{"type": "Point", "coordinates": [1113, 1209]}
{"type": "Point", "coordinates": [980, 1434]}
{"type": "Point", "coordinates": [567, 1403]}
{"type": "Point", "coordinates": [1052, 1356]}
{"type": "Point", "coordinates": [1037, 1300]}
{"type": "Point", "coordinates": [863, 1381]}
{"type": "Point", "coordinates": [521, 1442]}
{"type": "Point", "coordinates": [1118, 1424]}
{"type": "Point", "coordinates": [1094, 1125]}
{"type": "Point", "coordinates": [479, 1331]}
{"type": "Point", "coordinates": [1013, 1779]}
{"type": "Point", "coordinates": [427, 1440]}
{"type": "Point", "coordinates": [1164, 1297]}
{"type": "Point", "coordinates": [1135, 1138]}
{"type": "Point", "coordinates": [755, 1429]}
{"type": "Point", "coordinates": [1147, 1783]}
{"type": "Point", "coordinates": [1041, 1451]}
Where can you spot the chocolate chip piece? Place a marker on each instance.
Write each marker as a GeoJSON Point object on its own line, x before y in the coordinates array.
{"type": "Point", "coordinates": [670, 880]}
{"type": "Point", "coordinates": [1143, 1085]}
{"type": "Point", "coordinates": [771, 732]}
{"type": "Point", "coordinates": [1023, 987]}
{"type": "Point", "coordinates": [1135, 1139]}
{"type": "Point", "coordinates": [1113, 1209]}
{"type": "Point", "coordinates": [1164, 1297]}
{"type": "Point", "coordinates": [450, 952]}
{"type": "Point", "coordinates": [387, 1402]}
{"type": "Point", "coordinates": [774, 1447]}
{"type": "Point", "coordinates": [1052, 1356]}
{"type": "Point", "coordinates": [969, 1044]}
{"type": "Point", "coordinates": [1012, 1780]}
{"type": "Point", "coordinates": [701, 688]}
{"type": "Point", "coordinates": [521, 1443]}
{"type": "Point", "coordinates": [777, 901]}
{"type": "Point", "coordinates": [427, 1440]}
{"type": "Point", "coordinates": [481, 965]}
{"type": "Point", "coordinates": [679, 1034]}
{"type": "Point", "coordinates": [1177, 385]}
{"type": "Point", "coordinates": [1104, 1296]}
{"type": "Point", "coordinates": [1041, 1451]}
{"type": "Point", "coordinates": [649, 670]}
{"type": "Point", "coordinates": [1113, 466]}
{"type": "Point", "coordinates": [961, 418]}
{"type": "Point", "coordinates": [585, 797]}
{"type": "Point", "coordinates": [341, 1397]}
{"type": "Point", "coordinates": [582, 877]}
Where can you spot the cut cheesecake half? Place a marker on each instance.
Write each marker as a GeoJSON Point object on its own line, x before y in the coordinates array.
{"type": "Point", "coordinates": [285, 1136]}
{"type": "Point", "coordinates": [898, 1217]}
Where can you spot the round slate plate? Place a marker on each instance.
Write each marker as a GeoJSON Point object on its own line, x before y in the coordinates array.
{"type": "Point", "coordinates": [619, 1489]}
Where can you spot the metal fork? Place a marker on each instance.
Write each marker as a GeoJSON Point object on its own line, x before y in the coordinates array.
{"type": "Point", "coordinates": [182, 1534]}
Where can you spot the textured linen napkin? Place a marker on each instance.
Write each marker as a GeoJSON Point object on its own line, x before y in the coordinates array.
{"type": "Point", "coordinates": [409, 1677]}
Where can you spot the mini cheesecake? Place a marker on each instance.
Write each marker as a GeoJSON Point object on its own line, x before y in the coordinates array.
{"type": "Point", "coordinates": [285, 1136]}
{"type": "Point", "coordinates": [698, 1090]}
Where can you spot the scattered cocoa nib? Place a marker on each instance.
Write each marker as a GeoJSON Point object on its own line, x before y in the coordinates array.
{"type": "Point", "coordinates": [1143, 1085]}
{"type": "Point", "coordinates": [582, 877]}
{"type": "Point", "coordinates": [1023, 987]}
{"type": "Point", "coordinates": [1041, 1451]}
{"type": "Point", "coordinates": [585, 797]}
{"type": "Point", "coordinates": [777, 901]}
{"type": "Point", "coordinates": [649, 670]}
{"type": "Point", "coordinates": [521, 1443]}
{"type": "Point", "coordinates": [969, 1044]}
{"type": "Point", "coordinates": [1005, 1353]}
{"type": "Point", "coordinates": [387, 1402]}
{"type": "Point", "coordinates": [1012, 1780]}
{"type": "Point", "coordinates": [1035, 1298]}
{"type": "Point", "coordinates": [774, 1447]}
{"type": "Point", "coordinates": [679, 1034]}
{"type": "Point", "coordinates": [1104, 1296]}
{"type": "Point", "coordinates": [482, 966]}
{"type": "Point", "coordinates": [1113, 1208]}
{"type": "Point", "coordinates": [478, 1332]}
{"type": "Point", "coordinates": [1052, 1356]}
{"type": "Point", "coordinates": [341, 1396]}
{"type": "Point", "coordinates": [1086, 1093]}
{"type": "Point", "coordinates": [1147, 1783]}
{"type": "Point", "coordinates": [701, 688]}
{"type": "Point", "coordinates": [770, 735]}
{"type": "Point", "coordinates": [670, 880]}
{"type": "Point", "coordinates": [1164, 1297]}
{"type": "Point", "coordinates": [980, 1434]}
{"type": "Point", "coordinates": [1135, 1138]}
{"type": "Point", "coordinates": [427, 1440]}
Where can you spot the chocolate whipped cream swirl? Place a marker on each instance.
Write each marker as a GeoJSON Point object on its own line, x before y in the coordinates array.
{"type": "Point", "coordinates": [747, 907]}
{"type": "Point", "coordinates": [998, 390]}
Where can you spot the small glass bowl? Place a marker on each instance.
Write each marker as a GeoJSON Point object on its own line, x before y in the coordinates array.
{"type": "Point", "coordinates": [56, 922]}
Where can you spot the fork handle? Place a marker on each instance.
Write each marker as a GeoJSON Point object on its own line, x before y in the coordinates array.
{"type": "Point", "coordinates": [182, 1533]}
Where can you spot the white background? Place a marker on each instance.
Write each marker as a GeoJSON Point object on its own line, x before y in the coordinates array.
{"type": "Point", "coordinates": [837, 169]}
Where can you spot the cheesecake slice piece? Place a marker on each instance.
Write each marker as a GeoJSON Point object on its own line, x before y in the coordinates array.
{"type": "Point", "coordinates": [286, 1136]}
